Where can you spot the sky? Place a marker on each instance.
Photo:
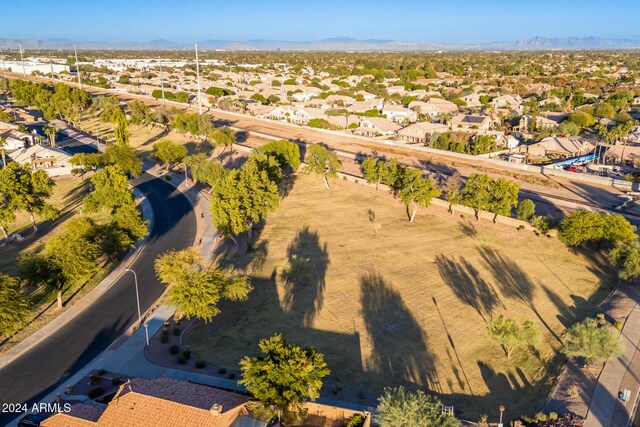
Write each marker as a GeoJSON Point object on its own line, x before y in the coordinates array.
{"type": "Point", "coordinates": [240, 20]}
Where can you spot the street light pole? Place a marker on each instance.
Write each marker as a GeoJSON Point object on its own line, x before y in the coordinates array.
{"type": "Point", "coordinates": [198, 77]}
{"type": "Point", "coordinates": [186, 178]}
{"type": "Point", "coordinates": [162, 82]}
{"type": "Point", "coordinates": [502, 408]}
{"type": "Point", "coordinates": [135, 279]}
{"type": "Point", "coordinates": [77, 66]}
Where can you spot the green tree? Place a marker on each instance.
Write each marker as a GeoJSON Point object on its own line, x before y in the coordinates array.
{"type": "Point", "coordinates": [3, 151]}
{"type": "Point", "coordinates": [204, 170]}
{"type": "Point", "coordinates": [477, 193]}
{"type": "Point", "coordinates": [373, 170]}
{"type": "Point", "coordinates": [224, 137]}
{"type": "Point", "coordinates": [592, 342]}
{"type": "Point", "coordinates": [124, 156]}
{"type": "Point", "coordinates": [418, 191]}
{"type": "Point", "coordinates": [582, 119]}
{"type": "Point", "coordinates": [626, 258]}
{"type": "Point", "coordinates": [195, 290]}
{"type": "Point", "coordinates": [121, 132]}
{"type": "Point", "coordinates": [526, 210]}
{"type": "Point", "coordinates": [605, 111]}
{"type": "Point", "coordinates": [584, 226]}
{"type": "Point", "coordinates": [400, 408]}
{"type": "Point", "coordinates": [141, 114]}
{"type": "Point", "coordinates": [51, 132]}
{"type": "Point", "coordinates": [14, 307]}
{"type": "Point", "coordinates": [322, 162]}
{"type": "Point", "coordinates": [68, 259]}
{"type": "Point", "coordinates": [283, 377]}
{"type": "Point", "coordinates": [111, 190]}
{"type": "Point", "coordinates": [511, 335]}
{"type": "Point", "coordinates": [168, 152]}
{"type": "Point", "coordinates": [286, 152]}
{"type": "Point", "coordinates": [504, 197]}
{"type": "Point", "coordinates": [27, 191]}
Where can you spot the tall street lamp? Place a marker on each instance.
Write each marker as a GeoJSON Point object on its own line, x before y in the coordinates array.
{"type": "Point", "coordinates": [502, 408]}
{"type": "Point", "coordinates": [135, 279]}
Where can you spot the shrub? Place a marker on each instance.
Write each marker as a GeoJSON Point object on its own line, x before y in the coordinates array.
{"type": "Point", "coordinates": [553, 416]}
{"type": "Point", "coordinates": [357, 420]}
{"type": "Point", "coordinates": [200, 364]}
{"type": "Point", "coordinates": [618, 324]}
{"type": "Point", "coordinates": [116, 381]}
{"type": "Point", "coordinates": [182, 360]}
{"type": "Point", "coordinates": [174, 349]}
{"type": "Point", "coordinates": [101, 372]}
{"type": "Point", "coordinates": [94, 379]}
{"type": "Point", "coordinates": [93, 393]}
{"type": "Point", "coordinates": [165, 332]}
{"type": "Point", "coordinates": [176, 331]}
{"type": "Point", "coordinates": [164, 339]}
{"type": "Point", "coordinates": [186, 354]}
{"type": "Point", "coordinates": [541, 417]}
{"type": "Point", "coordinates": [232, 376]}
{"type": "Point", "coordinates": [520, 228]}
{"type": "Point", "coordinates": [222, 371]}
{"type": "Point", "coordinates": [600, 317]}
{"type": "Point", "coordinates": [526, 210]}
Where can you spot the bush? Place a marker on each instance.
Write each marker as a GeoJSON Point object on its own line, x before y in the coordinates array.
{"type": "Point", "coordinates": [176, 331]}
{"type": "Point", "coordinates": [93, 393]}
{"type": "Point", "coordinates": [116, 381]}
{"type": "Point", "coordinates": [600, 317]}
{"type": "Point", "coordinates": [553, 416]}
{"type": "Point", "coordinates": [165, 332]}
{"type": "Point", "coordinates": [232, 376]}
{"type": "Point", "coordinates": [200, 364]}
{"type": "Point", "coordinates": [356, 420]}
{"type": "Point", "coordinates": [186, 354]}
{"type": "Point", "coordinates": [526, 210]}
{"type": "Point", "coordinates": [541, 417]}
{"type": "Point", "coordinates": [164, 339]}
{"type": "Point", "coordinates": [167, 177]}
{"type": "Point", "coordinates": [520, 228]}
{"type": "Point", "coordinates": [222, 371]}
{"type": "Point", "coordinates": [94, 379]}
{"type": "Point", "coordinates": [182, 360]}
{"type": "Point", "coordinates": [618, 324]}
{"type": "Point", "coordinates": [174, 349]}
{"type": "Point", "coordinates": [101, 372]}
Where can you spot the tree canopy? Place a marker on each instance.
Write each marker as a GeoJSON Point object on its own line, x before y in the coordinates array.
{"type": "Point", "coordinates": [511, 335]}
{"type": "Point", "coordinates": [591, 341]}
{"type": "Point", "coordinates": [399, 408]}
{"type": "Point", "coordinates": [323, 162]}
{"type": "Point", "coordinates": [283, 376]}
{"type": "Point", "coordinates": [584, 226]}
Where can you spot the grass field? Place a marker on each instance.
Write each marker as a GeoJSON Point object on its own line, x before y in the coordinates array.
{"type": "Point", "coordinates": [409, 305]}
{"type": "Point", "coordinates": [67, 196]}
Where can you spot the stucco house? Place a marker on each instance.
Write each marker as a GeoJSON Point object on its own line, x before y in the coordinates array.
{"type": "Point", "coordinates": [421, 132]}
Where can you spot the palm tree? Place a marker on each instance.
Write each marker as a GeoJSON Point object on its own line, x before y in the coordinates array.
{"type": "Point", "coordinates": [50, 131]}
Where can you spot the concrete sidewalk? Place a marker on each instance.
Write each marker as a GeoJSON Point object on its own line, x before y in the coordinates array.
{"type": "Point", "coordinates": [606, 409]}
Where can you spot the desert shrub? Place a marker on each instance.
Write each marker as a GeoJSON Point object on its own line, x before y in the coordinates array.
{"type": "Point", "coordinates": [95, 379]}
{"type": "Point", "coordinates": [176, 331]}
{"type": "Point", "coordinates": [182, 360]}
{"type": "Point", "coordinates": [200, 364]}
{"type": "Point", "coordinates": [357, 420]}
{"type": "Point", "coordinates": [222, 371]}
{"type": "Point", "coordinates": [232, 376]}
{"type": "Point", "coordinates": [174, 349]}
{"type": "Point", "coordinates": [116, 381]}
{"type": "Point", "coordinates": [164, 338]}
{"type": "Point", "coordinates": [186, 354]}
{"type": "Point", "coordinates": [618, 324]}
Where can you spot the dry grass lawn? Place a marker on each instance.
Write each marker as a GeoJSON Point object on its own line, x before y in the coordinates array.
{"type": "Point", "coordinates": [409, 305]}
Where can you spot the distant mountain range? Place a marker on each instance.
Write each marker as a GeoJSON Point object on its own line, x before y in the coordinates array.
{"type": "Point", "coordinates": [334, 44]}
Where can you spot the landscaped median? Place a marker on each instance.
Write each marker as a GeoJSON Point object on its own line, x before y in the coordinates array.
{"type": "Point", "coordinates": [50, 320]}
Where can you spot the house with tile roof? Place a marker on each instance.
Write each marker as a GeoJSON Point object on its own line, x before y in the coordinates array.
{"type": "Point", "coordinates": [54, 161]}
{"type": "Point", "coordinates": [376, 126]}
{"type": "Point", "coordinates": [471, 122]}
{"type": "Point", "coordinates": [161, 402]}
{"type": "Point", "coordinates": [421, 132]}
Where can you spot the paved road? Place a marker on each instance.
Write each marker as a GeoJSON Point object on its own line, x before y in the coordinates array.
{"type": "Point", "coordinates": [50, 363]}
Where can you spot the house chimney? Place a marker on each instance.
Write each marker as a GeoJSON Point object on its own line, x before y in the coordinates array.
{"type": "Point", "coordinates": [216, 410]}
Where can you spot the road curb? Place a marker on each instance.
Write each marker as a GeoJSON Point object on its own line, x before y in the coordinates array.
{"type": "Point", "coordinates": [56, 324]}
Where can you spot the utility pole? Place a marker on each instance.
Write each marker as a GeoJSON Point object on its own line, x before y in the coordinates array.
{"type": "Point", "coordinates": [24, 72]}
{"type": "Point", "coordinates": [77, 66]}
{"type": "Point", "coordinates": [162, 82]}
{"type": "Point", "coordinates": [198, 77]}
{"type": "Point", "coordinates": [51, 65]}
{"type": "Point", "coordinates": [4, 65]}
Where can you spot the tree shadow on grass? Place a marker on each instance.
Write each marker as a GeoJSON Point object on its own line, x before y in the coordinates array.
{"type": "Point", "coordinates": [304, 276]}
{"type": "Point", "coordinates": [153, 139]}
{"type": "Point", "coordinates": [513, 281]}
{"type": "Point", "coordinates": [467, 285]}
{"type": "Point", "coordinates": [203, 147]}
{"type": "Point", "coordinates": [399, 344]}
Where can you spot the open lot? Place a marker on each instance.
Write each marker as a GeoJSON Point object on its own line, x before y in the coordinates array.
{"type": "Point", "coordinates": [409, 305]}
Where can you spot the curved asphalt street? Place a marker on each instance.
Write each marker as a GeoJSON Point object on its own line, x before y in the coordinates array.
{"type": "Point", "coordinates": [50, 363]}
